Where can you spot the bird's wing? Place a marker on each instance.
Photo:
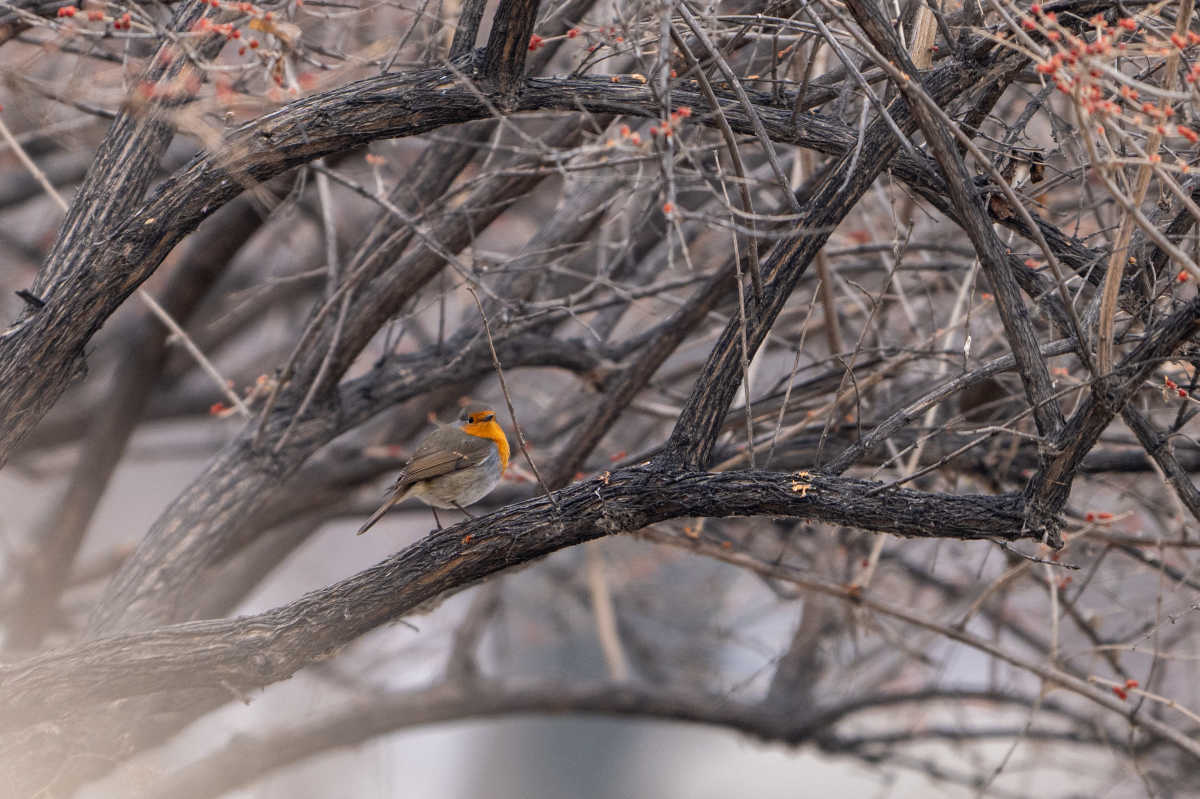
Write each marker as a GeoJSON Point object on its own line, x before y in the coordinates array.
{"type": "Point", "coordinates": [435, 460]}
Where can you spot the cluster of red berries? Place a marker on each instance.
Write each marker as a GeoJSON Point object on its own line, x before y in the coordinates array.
{"type": "Point", "coordinates": [667, 126]}
{"type": "Point", "coordinates": [634, 137]}
{"type": "Point", "coordinates": [205, 25]}
{"type": "Point", "coordinates": [537, 42]}
{"type": "Point", "coordinates": [1171, 385]}
{"type": "Point", "coordinates": [1123, 691]}
{"type": "Point", "coordinates": [123, 22]}
{"type": "Point", "coordinates": [1076, 67]}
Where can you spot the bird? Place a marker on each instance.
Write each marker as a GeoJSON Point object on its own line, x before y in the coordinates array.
{"type": "Point", "coordinates": [452, 467]}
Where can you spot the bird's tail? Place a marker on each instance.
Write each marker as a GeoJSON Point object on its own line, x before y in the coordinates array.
{"type": "Point", "coordinates": [396, 496]}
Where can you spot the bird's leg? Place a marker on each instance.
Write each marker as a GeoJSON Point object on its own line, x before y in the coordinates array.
{"type": "Point", "coordinates": [436, 520]}
{"type": "Point", "coordinates": [464, 510]}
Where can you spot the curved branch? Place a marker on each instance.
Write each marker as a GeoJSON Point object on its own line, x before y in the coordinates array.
{"type": "Point", "coordinates": [387, 106]}
{"type": "Point", "coordinates": [508, 44]}
{"type": "Point", "coordinates": [246, 759]}
{"type": "Point", "coordinates": [214, 512]}
{"type": "Point", "coordinates": [248, 653]}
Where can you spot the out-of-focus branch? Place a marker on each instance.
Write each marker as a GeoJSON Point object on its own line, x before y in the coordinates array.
{"type": "Point", "coordinates": [248, 759]}
{"type": "Point", "coordinates": [248, 653]}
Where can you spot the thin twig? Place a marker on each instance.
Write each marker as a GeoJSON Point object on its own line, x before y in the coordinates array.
{"type": "Point", "coordinates": [209, 369]}
{"type": "Point", "coordinates": [735, 157]}
{"type": "Point", "coordinates": [1119, 256]}
{"type": "Point", "coordinates": [176, 329]}
{"type": "Point", "coordinates": [756, 122]}
{"type": "Point", "coordinates": [604, 613]}
{"type": "Point", "coordinates": [512, 414]}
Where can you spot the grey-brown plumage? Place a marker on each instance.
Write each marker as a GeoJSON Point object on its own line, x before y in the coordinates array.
{"type": "Point", "coordinates": [453, 467]}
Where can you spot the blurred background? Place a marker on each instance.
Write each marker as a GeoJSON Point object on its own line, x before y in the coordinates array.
{"type": "Point", "coordinates": [246, 408]}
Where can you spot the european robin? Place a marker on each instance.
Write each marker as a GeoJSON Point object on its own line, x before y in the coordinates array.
{"type": "Point", "coordinates": [454, 466]}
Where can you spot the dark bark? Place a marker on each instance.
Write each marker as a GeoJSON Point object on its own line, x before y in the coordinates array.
{"type": "Point", "coordinates": [387, 106]}
{"type": "Point", "coordinates": [251, 652]}
{"type": "Point", "coordinates": [696, 432]}
{"type": "Point", "coordinates": [62, 532]}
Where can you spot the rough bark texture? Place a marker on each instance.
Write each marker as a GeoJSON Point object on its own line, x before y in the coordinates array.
{"type": "Point", "coordinates": [643, 356]}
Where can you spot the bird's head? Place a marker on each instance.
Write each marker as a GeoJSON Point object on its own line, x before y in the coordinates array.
{"type": "Point", "coordinates": [478, 420]}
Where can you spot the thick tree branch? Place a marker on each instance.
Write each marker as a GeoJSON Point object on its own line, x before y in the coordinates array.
{"type": "Point", "coordinates": [1049, 488]}
{"type": "Point", "coordinates": [387, 106]}
{"type": "Point", "coordinates": [247, 759]}
{"type": "Point", "coordinates": [1039, 388]}
{"type": "Point", "coordinates": [209, 520]}
{"type": "Point", "coordinates": [508, 44]}
{"type": "Point", "coordinates": [248, 653]}
{"type": "Point", "coordinates": [839, 190]}
{"type": "Point", "coordinates": [109, 429]}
